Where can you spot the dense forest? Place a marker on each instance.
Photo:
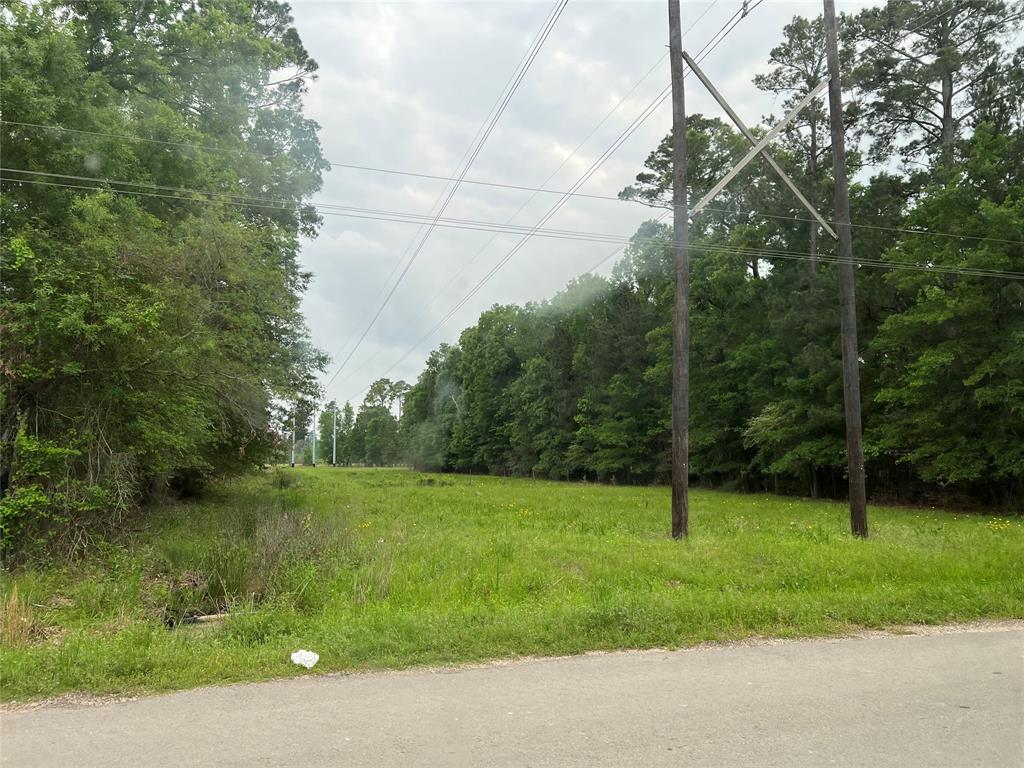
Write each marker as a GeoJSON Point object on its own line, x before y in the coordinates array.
{"type": "Point", "coordinates": [148, 331]}
{"type": "Point", "coordinates": [578, 386]}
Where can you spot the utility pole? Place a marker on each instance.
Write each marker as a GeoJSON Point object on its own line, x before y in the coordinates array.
{"type": "Point", "coordinates": [847, 295]}
{"type": "Point", "coordinates": [681, 326]}
{"type": "Point", "coordinates": [293, 437]}
{"type": "Point", "coordinates": [334, 437]}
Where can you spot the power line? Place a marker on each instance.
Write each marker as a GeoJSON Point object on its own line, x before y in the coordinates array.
{"type": "Point", "coordinates": [617, 251]}
{"type": "Point", "coordinates": [472, 150]}
{"type": "Point", "coordinates": [352, 166]}
{"type": "Point", "coordinates": [510, 91]}
{"type": "Point", "coordinates": [644, 115]}
{"type": "Point", "coordinates": [288, 205]}
{"type": "Point", "coordinates": [579, 146]}
{"type": "Point", "coordinates": [716, 39]}
{"type": "Point", "coordinates": [323, 207]}
{"type": "Point", "coordinates": [876, 227]}
{"type": "Point", "coordinates": [768, 254]}
{"type": "Point", "coordinates": [824, 257]}
{"type": "Point", "coordinates": [368, 214]}
{"type": "Point", "coordinates": [744, 10]}
{"type": "Point", "coordinates": [557, 234]}
{"type": "Point", "coordinates": [128, 137]}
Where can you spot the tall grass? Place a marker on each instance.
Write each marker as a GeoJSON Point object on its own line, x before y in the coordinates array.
{"type": "Point", "coordinates": [16, 620]}
{"type": "Point", "coordinates": [386, 568]}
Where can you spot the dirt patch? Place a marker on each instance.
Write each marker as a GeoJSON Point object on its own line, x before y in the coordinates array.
{"type": "Point", "coordinates": [66, 701]}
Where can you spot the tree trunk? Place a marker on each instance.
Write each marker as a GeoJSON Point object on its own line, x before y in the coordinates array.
{"type": "Point", "coordinates": [8, 433]}
{"type": "Point", "coordinates": [948, 124]}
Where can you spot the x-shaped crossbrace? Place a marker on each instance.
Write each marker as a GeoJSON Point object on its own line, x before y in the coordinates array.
{"type": "Point", "coordinates": [758, 147]}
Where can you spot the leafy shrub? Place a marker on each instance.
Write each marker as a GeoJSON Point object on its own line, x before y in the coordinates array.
{"type": "Point", "coordinates": [48, 509]}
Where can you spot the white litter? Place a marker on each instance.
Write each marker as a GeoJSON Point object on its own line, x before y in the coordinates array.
{"type": "Point", "coordinates": [305, 658]}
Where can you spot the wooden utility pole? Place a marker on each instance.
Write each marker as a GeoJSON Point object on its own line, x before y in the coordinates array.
{"type": "Point", "coordinates": [847, 295]}
{"type": "Point", "coordinates": [681, 333]}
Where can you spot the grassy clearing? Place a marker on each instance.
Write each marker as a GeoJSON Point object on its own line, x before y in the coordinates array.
{"type": "Point", "coordinates": [388, 568]}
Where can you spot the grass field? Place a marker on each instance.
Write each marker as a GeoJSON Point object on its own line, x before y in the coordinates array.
{"type": "Point", "coordinates": [389, 568]}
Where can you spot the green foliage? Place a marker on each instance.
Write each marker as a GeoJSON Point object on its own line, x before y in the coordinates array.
{"type": "Point", "coordinates": [47, 505]}
{"type": "Point", "coordinates": [150, 335]}
{"type": "Point", "coordinates": [372, 436]}
{"type": "Point", "coordinates": [928, 72]}
{"type": "Point", "coordinates": [952, 360]}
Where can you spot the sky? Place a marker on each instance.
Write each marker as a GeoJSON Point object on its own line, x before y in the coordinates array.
{"type": "Point", "coordinates": [406, 86]}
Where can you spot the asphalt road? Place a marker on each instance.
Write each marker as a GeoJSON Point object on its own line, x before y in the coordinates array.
{"type": "Point", "coordinates": [931, 700]}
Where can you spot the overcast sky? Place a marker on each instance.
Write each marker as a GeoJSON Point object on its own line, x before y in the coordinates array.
{"type": "Point", "coordinates": [405, 86]}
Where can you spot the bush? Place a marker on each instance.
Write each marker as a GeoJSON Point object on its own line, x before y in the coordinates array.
{"type": "Point", "coordinates": [48, 510]}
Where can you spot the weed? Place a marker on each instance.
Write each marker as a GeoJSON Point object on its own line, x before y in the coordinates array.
{"type": "Point", "coordinates": [17, 621]}
{"type": "Point", "coordinates": [254, 627]}
{"type": "Point", "coordinates": [284, 478]}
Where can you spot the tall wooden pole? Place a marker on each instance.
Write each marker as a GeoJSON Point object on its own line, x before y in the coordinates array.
{"type": "Point", "coordinates": [681, 334]}
{"type": "Point", "coordinates": [847, 295]}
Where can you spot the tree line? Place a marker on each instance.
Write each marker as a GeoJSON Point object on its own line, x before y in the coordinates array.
{"type": "Point", "coordinates": [345, 437]}
{"type": "Point", "coordinates": [578, 386]}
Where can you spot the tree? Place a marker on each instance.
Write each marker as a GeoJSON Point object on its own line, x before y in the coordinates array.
{"type": "Point", "coordinates": [325, 432]}
{"type": "Point", "coordinates": [146, 339]}
{"type": "Point", "coordinates": [798, 65]}
{"type": "Point", "coordinates": [488, 364]}
{"type": "Point", "coordinates": [430, 411]}
{"type": "Point", "coordinates": [375, 432]}
{"type": "Point", "coordinates": [578, 386]}
{"type": "Point", "coordinates": [952, 359]}
{"type": "Point", "coordinates": [346, 427]}
{"type": "Point", "coordinates": [927, 69]}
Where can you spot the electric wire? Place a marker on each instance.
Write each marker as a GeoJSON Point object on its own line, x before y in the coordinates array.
{"type": "Point", "coordinates": [537, 231]}
{"type": "Point", "coordinates": [510, 91]}
{"type": "Point", "coordinates": [281, 204]}
{"type": "Point", "coordinates": [742, 13]}
{"type": "Point", "coordinates": [469, 262]}
{"type": "Point", "coordinates": [823, 257]}
{"type": "Point", "coordinates": [474, 225]}
{"type": "Point", "coordinates": [646, 113]}
{"type": "Point", "coordinates": [768, 254]}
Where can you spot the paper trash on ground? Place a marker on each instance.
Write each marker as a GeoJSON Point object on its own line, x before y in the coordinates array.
{"type": "Point", "coordinates": [305, 658]}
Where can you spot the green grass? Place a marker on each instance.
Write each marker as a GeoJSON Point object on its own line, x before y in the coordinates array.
{"type": "Point", "coordinates": [389, 568]}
